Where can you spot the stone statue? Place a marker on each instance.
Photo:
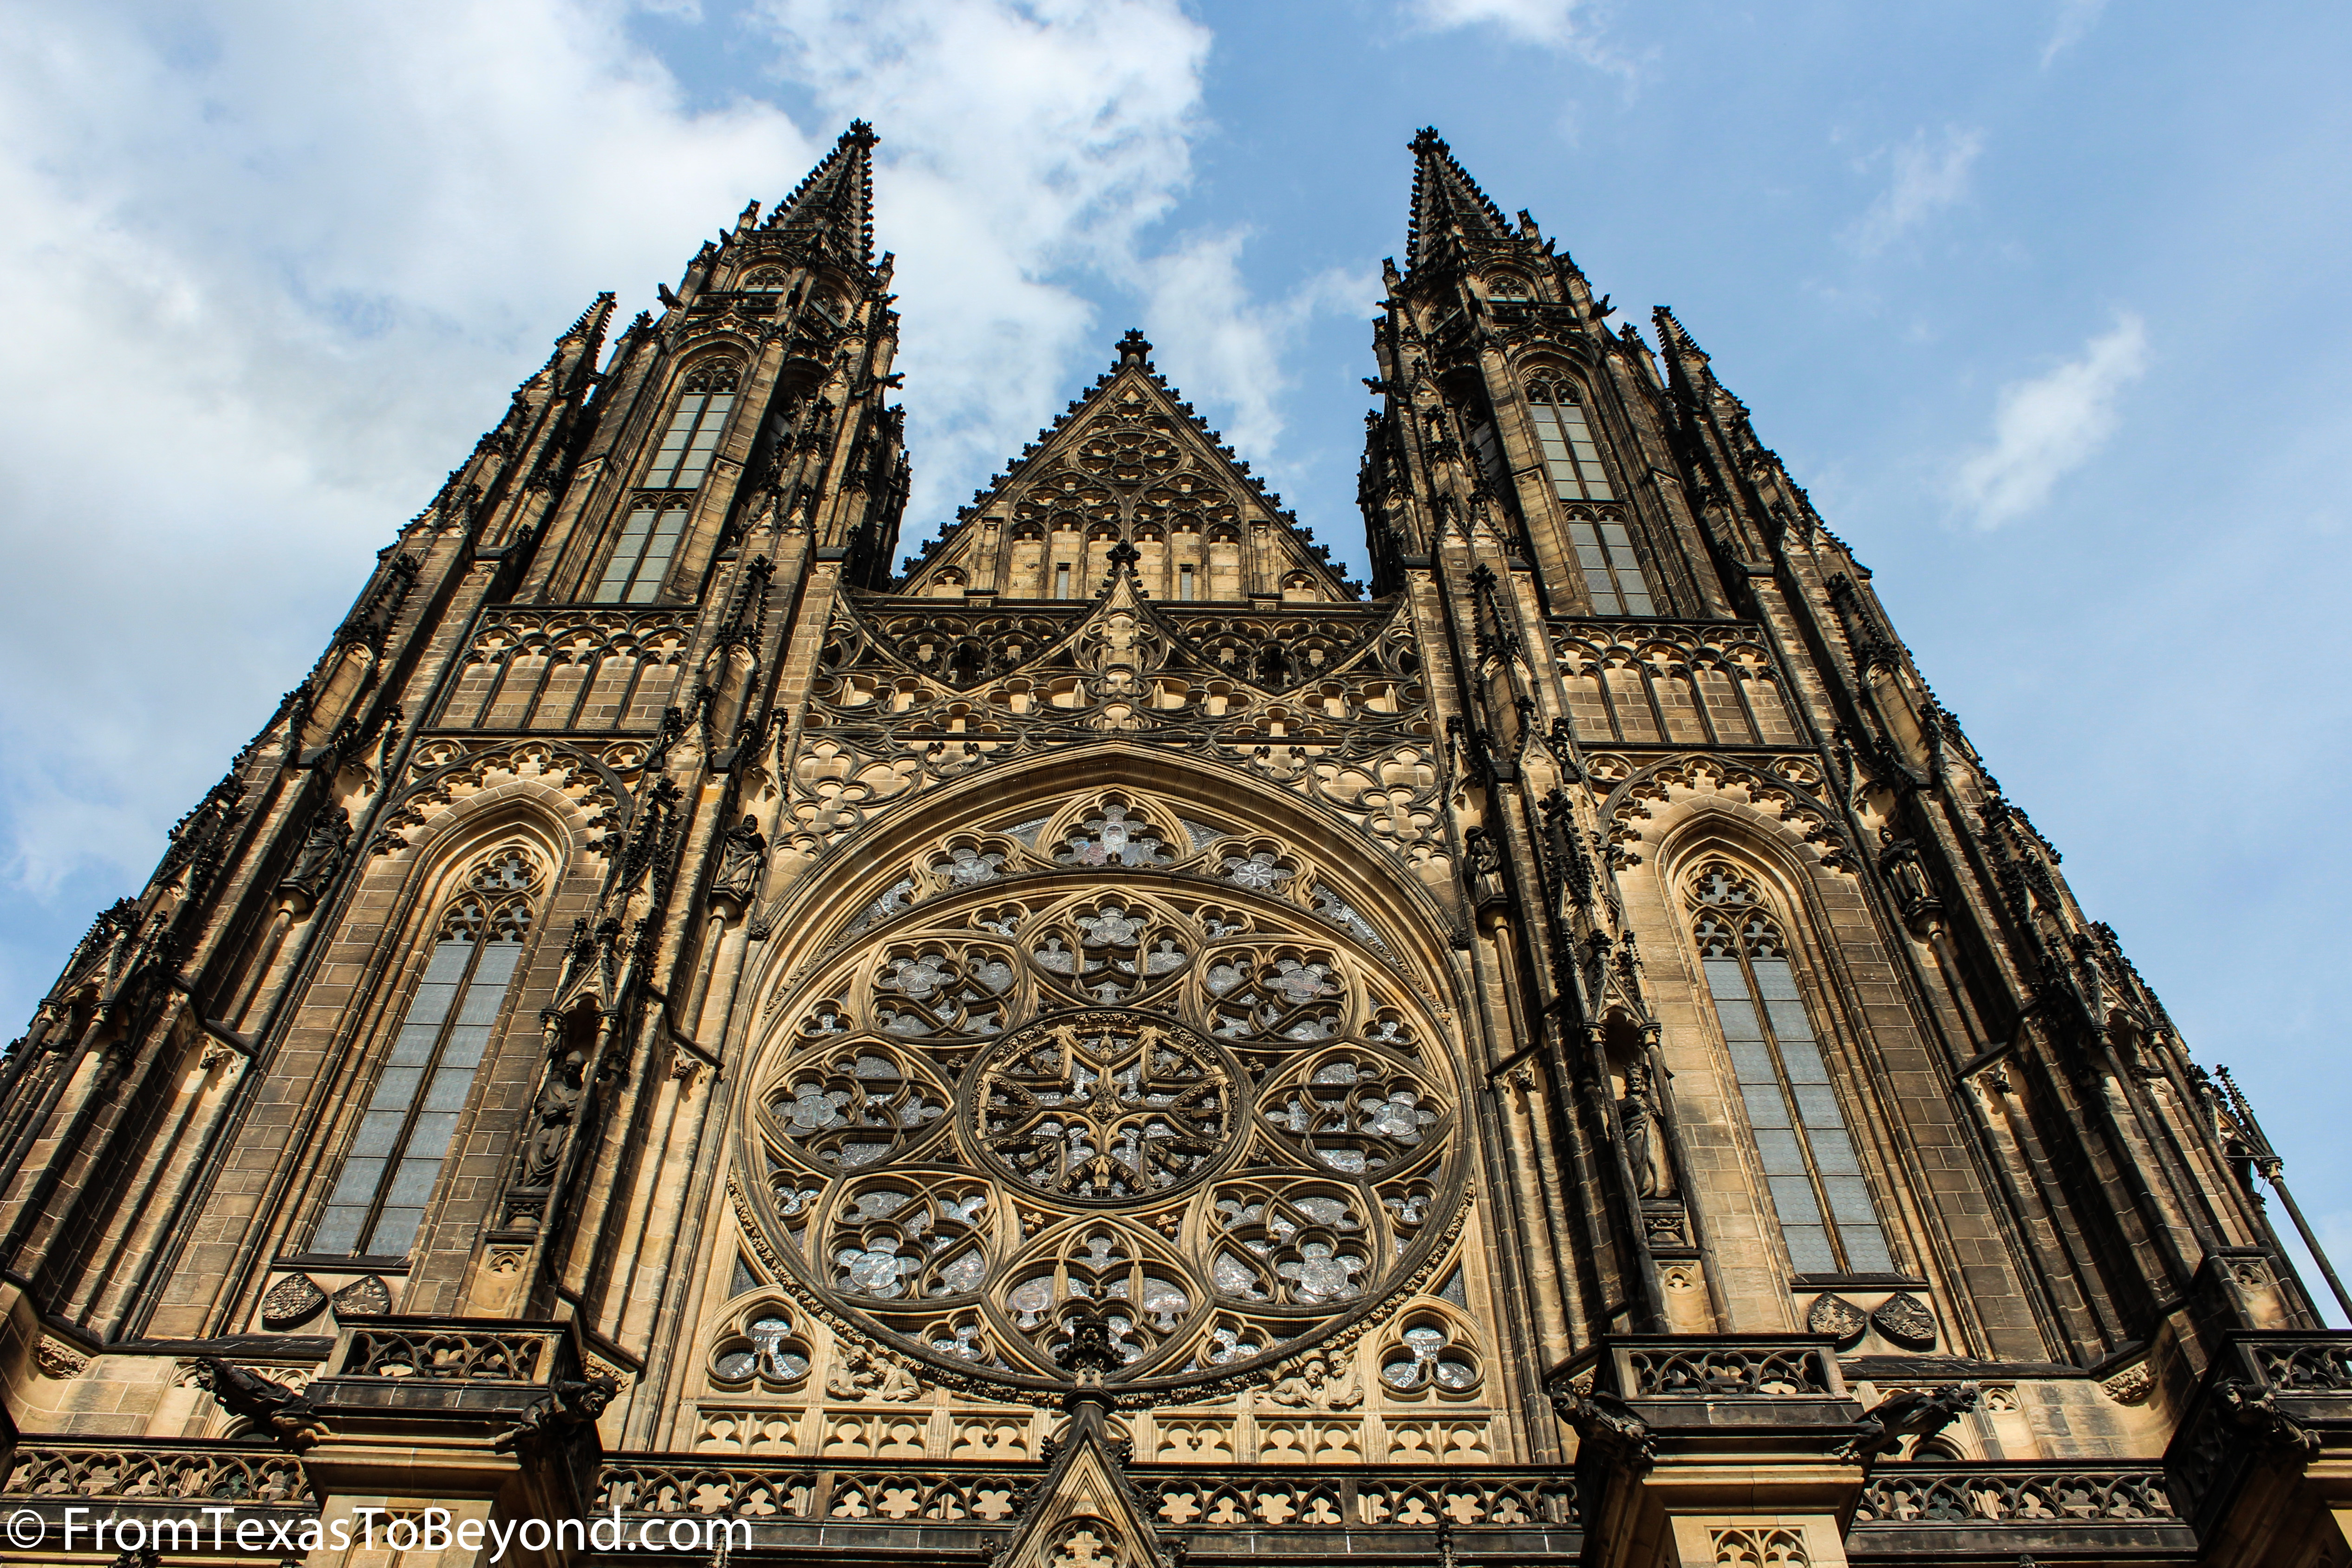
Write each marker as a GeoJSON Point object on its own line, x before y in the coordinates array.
{"type": "Point", "coordinates": [741, 853]}
{"type": "Point", "coordinates": [323, 847]}
{"type": "Point", "coordinates": [1636, 1113]}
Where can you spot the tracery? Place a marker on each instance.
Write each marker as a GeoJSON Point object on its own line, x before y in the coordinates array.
{"type": "Point", "coordinates": [1112, 1056]}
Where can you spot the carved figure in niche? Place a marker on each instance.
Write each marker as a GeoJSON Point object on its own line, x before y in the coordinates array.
{"type": "Point", "coordinates": [740, 855]}
{"type": "Point", "coordinates": [274, 1409]}
{"type": "Point", "coordinates": [559, 1101]}
{"type": "Point", "coordinates": [1312, 1387]}
{"type": "Point", "coordinates": [1636, 1113]}
{"type": "Point", "coordinates": [323, 847]}
{"type": "Point", "coordinates": [1486, 865]}
{"type": "Point", "coordinates": [1898, 862]}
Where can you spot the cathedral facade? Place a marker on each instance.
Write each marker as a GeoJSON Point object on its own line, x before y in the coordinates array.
{"type": "Point", "coordinates": [1115, 1045]}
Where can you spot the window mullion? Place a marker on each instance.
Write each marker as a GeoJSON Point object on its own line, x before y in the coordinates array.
{"type": "Point", "coordinates": [399, 1151]}
{"type": "Point", "coordinates": [1797, 1123]}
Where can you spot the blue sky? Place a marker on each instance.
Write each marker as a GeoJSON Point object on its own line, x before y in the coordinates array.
{"type": "Point", "coordinates": [2044, 301]}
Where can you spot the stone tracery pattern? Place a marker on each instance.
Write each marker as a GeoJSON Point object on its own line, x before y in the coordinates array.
{"type": "Point", "coordinates": [1329, 705]}
{"type": "Point", "coordinates": [1184, 1102]}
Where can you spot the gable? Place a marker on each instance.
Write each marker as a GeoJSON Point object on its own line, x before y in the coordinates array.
{"type": "Point", "coordinates": [1129, 464]}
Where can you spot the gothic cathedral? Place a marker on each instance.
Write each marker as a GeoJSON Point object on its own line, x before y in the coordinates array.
{"type": "Point", "coordinates": [1114, 1045]}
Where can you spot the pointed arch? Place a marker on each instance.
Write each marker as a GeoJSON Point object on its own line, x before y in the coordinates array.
{"type": "Point", "coordinates": [426, 1067]}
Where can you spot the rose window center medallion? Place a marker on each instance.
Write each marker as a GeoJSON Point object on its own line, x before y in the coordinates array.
{"type": "Point", "coordinates": [1104, 1106]}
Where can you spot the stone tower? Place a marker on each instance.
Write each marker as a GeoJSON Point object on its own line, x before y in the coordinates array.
{"type": "Point", "coordinates": [1112, 1045]}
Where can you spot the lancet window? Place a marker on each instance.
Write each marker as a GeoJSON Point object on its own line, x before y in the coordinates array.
{"type": "Point", "coordinates": [1605, 553]}
{"type": "Point", "coordinates": [1817, 1185]}
{"type": "Point", "coordinates": [641, 556]}
{"type": "Point", "coordinates": [394, 1160]}
{"type": "Point", "coordinates": [694, 428]}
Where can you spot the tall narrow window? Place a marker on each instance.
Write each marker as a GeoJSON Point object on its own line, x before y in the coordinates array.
{"type": "Point", "coordinates": [1062, 580]}
{"type": "Point", "coordinates": [394, 1161]}
{"type": "Point", "coordinates": [641, 556]}
{"type": "Point", "coordinates": [1817, 1184]}
{"type": "Point", "coordinates": [1612, 573]}
{"type": "Point", "coordinates": [694, 428]}
{"type": "Point", "coordinates": [1185, 586]}
{"type": "Point", "coordinates": [1571, 457]}
{"type": "Point", "coordinates": [1490, 455]}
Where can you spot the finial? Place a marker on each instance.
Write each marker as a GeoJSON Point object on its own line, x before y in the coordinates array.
{"type": "Point", "coordinates": [1135, 350]}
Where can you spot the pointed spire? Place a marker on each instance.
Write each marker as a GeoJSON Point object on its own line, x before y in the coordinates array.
{"type": "Point", "coordinates": [1445, 202]}
{"type": "Point", "coordinates": [591, 325]}
{"type": "Point", "coordinates": [835, 203]}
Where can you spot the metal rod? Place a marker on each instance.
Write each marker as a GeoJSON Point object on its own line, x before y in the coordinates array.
{"type": "Point", "coordinates": [2303, 1227]}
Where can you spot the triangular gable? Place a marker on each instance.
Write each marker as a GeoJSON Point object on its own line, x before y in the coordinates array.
{"type": "Point", "coordinates": [1128, 463]}
{"type": "Point", "coordinates": [1084, 1514]}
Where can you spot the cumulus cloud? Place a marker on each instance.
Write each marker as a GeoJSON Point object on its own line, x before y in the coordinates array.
{"type": "Point", "coordinates": [2075, 20]}
{"type": "Point", "coordinates": [267, 300]}
{"type": "Point", "coordinates": [1222, 346]}
{"type": "Point", "coordinates": [1026, 148]}
{"type": "Point", "coordinates": [1550, 24]}
{"type": "Point", "coordinates": [2045, 427]}
{"type": "Point", "coordinates": [1926, 175]}
{"type": "Point", "coordinates": [271, 298]}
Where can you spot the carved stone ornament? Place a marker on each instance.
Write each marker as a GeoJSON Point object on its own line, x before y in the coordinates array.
{"type": "Point", "coordinates": [1202, 1111]}
{"type": "Point", "coordinates": [2132, 1385]}
{"type": "Point", "coordinates": [1906, 1320]}
{"type": "Point", "coordinates": [1106, 1107]}
{"type": "Point", "coordinates": [58, 1359]}
{"type": "Point", "coordinates": [365, 1298]}
{"type": "Point", "coordinates": [1838, 1318]}
{"type": "Point", "coordinates": [291, 1303]}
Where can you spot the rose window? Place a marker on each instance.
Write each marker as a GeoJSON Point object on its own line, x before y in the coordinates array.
{"type": "Point", "coordinates": [1134, 1071]}
{"type": "Point", "coordinates": [1098, 1106]}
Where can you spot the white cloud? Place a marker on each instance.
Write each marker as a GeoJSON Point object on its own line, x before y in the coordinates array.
{"type": "Point", "coordinates": [2045, 427]}
{"type": "Point", "coordinates": [1222, 346]}
{"type": "Point", "coordinates": [1025, 148]}
{"type": "Point", "coordinates": [1551, 23]}
{"type": "Point", "coordinates": [2075, 20]}
{"type": "Point", "coordinates": [1927, 175]}
{"type": "Point", "coordinates": [281, 264]}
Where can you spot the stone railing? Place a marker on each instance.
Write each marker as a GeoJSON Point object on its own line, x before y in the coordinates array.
{"type": "Point", "coordinates": [1372, 1497]}
{"type": "Point", "coordinates": [1400, 1505]}
{"type": "Point", "coordinates": [1732, 1366]}
{"type": "Point", "coordinates": [448, 1350]}
{"type": "Point", "coordinates": [2296, 1363]}
{"type": "Point", "coordinates": [179, 1475]}
{"type": "Point", "coordinates": [2041, 1494]}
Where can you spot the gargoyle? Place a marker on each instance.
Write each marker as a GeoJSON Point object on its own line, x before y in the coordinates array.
{"type": "Point", "coordinates": [272, 1407]}
{"type": "Point", "coordinates": [2252, 1414]}
{"type": "Point", "coordinates": [1910, 1414]}
{"type": "Point", "coordinates": [571, 1402]}
{"type": "Point", "coordinates": [1607, 1425]}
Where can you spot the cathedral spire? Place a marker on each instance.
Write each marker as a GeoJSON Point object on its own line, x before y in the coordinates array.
{"type": "Point", "coordinates": [835, 205]}
{"type": "Point", "coordinates": [1446, 202]}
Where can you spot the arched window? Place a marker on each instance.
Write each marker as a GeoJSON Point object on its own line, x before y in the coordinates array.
{"type": "Point", "coordinates": [394, 1160]}
{"type": "Point", "coordinates": [767, 280]}
{"type": "Point", "coordinates": [694, 427]}
{"type": "Point", "coordinates": [1507, 286]}
{"type": "Point", "coordinates": [1818, 1190]}
{"type": "Point", "coordinates": [1572, 459]}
